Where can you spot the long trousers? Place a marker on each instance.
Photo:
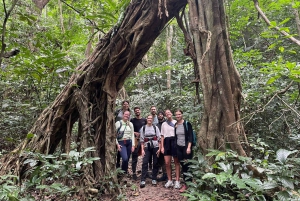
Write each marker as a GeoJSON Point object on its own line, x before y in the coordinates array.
{"type": "Point", "coordinates": [134, 158]}
{"type": "Point", "coordinates": [150, 152]}
{"type": "Point", "coordinates": [125, 153]}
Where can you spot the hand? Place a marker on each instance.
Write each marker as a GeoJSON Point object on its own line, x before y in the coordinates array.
{"type": "Point", "coordinates": [137, 135]}
{"type": "Point", "coordinates": [188, 150]}
{"type": "Point", "coordinates": [119, 147]}
{"type": "Point", "coordinates": [143, 153]}
{"type": "Point", "coordinates": [132, 149]}
{"type": "Point", "coordinates": [157, 153]}
{"type": "Point", "coordinates": [162, 150]}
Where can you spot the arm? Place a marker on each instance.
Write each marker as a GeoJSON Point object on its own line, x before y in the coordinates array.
{"type": "Point", "coordinates": [142, 134]}
{"type": "Point", "coordinates": [117, 125]}
{"type": "Point", "coordinates": [162, 149]}
{"type": "Point", "coordinates": [132, 137]}
{"type": "Point", "coordinates": [158, 138]}
{"type": "Point", "coordinates": [190, 137]}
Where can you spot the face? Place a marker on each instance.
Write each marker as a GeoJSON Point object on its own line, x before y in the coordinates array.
{"type": "Point", "coordinates": [137, 112]}
{"type": "Point", "coordinates": [125, 105]}
{"type": "Point", "coordinates": [168, 114]}
{"type": "Point", "coordinates": [126, 116]}
{"type": "Point", "coordinates": [160, 116]}
{"type": "Point", "coordinates": [153, 110]}
{"type": "Point", "coordinates": [149, 119]}
{"type": "Point", "coordinates": [178, 116]}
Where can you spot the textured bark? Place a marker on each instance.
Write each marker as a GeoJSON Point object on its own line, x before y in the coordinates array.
{"type": "Point", "coordinates": [89, 97]}
{"type": "Point", "coordinates": [169, 52]}
{"type": "Point", "coordinates": [219, 78]}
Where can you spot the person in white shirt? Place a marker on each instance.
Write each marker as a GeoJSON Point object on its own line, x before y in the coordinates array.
{"type": "Point", "coordinates": [125, 139]}
{"type": "Point", "coordinates": [168, 148]}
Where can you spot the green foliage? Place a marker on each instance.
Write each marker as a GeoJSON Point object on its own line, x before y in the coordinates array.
{"type": "Point", "coordinates": [48, 173]}
{"type": "Point", "coordinates": [228, 178]}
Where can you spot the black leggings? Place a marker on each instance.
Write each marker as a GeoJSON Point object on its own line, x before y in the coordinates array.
{"type": "Point", "coordinates": [182, 156]}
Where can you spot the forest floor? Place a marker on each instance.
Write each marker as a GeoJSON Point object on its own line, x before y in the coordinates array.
{"type": "Point", "coordinates": [154, 193]}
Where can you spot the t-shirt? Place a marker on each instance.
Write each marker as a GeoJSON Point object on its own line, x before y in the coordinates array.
{"type": "Point", "coordinates": [150, 132]}
{"type": "Point", "coordinates": [167, 130]}
{"type": "Point", "coordinates": [155, 120]}
{"type": "Point", "coordinates": [128, 130]}
{"type": "Point", "coordinates": [180, 135]}
{"type": "Point", "coordinates": [138, 123]}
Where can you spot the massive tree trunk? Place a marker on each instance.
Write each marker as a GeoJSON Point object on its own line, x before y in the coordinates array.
{"type": "Point", "coordinates": [89, 97]}
{"type": "Point", "coordinates": [219, 78]}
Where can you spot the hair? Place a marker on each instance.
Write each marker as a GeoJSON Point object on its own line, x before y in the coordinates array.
{"type": "Point", "coordinates": [136, 108]}
{"type": "Point", "coordinates": [179, 110]}
{"type": "Point", "coordinates": [161, 112]}
{"type": "Point", "coordinates": [149, 115]}
{"type": "Point", "coordinates": [168, 109]}
{"type": "Point", "coordinates": [125, 101]}
{"type": "Point", "coordinates": [152, 106]}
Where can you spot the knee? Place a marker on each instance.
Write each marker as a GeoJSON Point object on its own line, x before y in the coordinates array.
{"type": "Point", "coordinates": [125, 159]}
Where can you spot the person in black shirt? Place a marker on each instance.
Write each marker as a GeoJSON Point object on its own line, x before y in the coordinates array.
{"type": "Point", "coordinates": [138, 122]}
{"type": "Point", "coordinates": [161, 160]}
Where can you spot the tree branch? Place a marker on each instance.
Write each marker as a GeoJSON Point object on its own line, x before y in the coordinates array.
{"type": "Point", "coordinates": [275, 27]}
{"type": "Point", "coordinates": [77, 11]}
{"type": "Point", "coordinates": [7, 14]}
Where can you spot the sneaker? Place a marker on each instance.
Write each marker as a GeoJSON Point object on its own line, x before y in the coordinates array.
{"type": "Point", "coordinates": [134, 177]}
{"type": "Point", "coordinates": [177, 185]}
{"type": "Point", "coordinates": [183, 188]}
{"type": "Point", "coordinates": [169, 184]}
{"type": "Point", "coordinates": [154, 182]}
{"type": "Point", "coordinates": [142, 184]}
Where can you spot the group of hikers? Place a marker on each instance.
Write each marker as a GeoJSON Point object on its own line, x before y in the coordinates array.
{"type": "Point", "coordinates": [158, 138]}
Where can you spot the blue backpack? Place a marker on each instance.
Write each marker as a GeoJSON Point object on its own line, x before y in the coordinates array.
{"type": "Point", "coordinates": [194, 142]}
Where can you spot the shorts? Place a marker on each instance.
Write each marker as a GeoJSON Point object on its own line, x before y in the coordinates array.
{"type": "Point", "coordinates": [170, 147]}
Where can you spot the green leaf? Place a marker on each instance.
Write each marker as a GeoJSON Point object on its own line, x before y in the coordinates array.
{"type": "Point", "coordinates": [284, 21]}
{"type": "Point", "coordinates": [283, 195]}
{"type": "Point", "coordinates": [273, 79]}
{"type": "Point", "coordinates": [30, 135]}
{"type": "Point", "coordinates": [281, 49]}
{"type": "Point", "coordinates": [273, 24]}
{"type": "Point", "coordinates": [287, 182]}
{"type": "Point", "coordinates": [269, 185]}
{"type": "Point", "coordinates": [282, 155]}
{"type": "Point", "coordinates": [209, 175]}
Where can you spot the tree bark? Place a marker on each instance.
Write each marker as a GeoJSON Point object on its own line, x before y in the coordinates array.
{"type": "Point", "coordinates": [89, 97]}
{"type": "Point", "coordinates": [169, 52]}
{"type": "Point", "coordinates": [219, 78]}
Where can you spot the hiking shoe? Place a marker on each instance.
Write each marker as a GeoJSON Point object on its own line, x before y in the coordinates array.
{"type": "Point", "coordinates": [134, 177]}
{"type": "Point", "coordinates": [177, 185]}
{"type": "Point", "coordinates": [142, 184]}
{"type": "Point", "coordinates": [169, 184]}
{"type": "Point", "coordinates": [183, 188]}
{"type": "Point", "coordinates": [163, 178]}
{"type": "Point", "coordinates": [154, 182]}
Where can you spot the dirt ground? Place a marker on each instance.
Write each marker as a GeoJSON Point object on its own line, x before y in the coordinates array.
{"type": "Point", "coordinates": [158, 192]}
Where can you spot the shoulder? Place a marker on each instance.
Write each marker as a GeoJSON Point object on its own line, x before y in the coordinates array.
{"type": "Point", "coordinates": [174, 121]}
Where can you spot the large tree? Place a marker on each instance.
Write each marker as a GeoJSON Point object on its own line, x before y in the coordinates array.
{"type": "Point", "coordinates": [220, 81]}
{"type": "Point", "coordinates": [89, 97]}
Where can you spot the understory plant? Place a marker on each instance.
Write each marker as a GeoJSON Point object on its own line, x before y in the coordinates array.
{"type": "Point", "coordinates": [49, 177]}
{"type": "Point", "coordinates": [233, 177]}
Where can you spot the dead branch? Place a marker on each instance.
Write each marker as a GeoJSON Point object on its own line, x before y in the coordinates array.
{"type": "Point", "coordinates": [275, 27]}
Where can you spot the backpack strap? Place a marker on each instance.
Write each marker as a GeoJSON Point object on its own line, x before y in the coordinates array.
{"type": "Point", "coordinates": [144, 127]}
